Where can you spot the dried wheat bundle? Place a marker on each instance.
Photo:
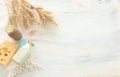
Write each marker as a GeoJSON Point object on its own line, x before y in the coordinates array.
{"type": "Point", "coordinates": [22, 13]}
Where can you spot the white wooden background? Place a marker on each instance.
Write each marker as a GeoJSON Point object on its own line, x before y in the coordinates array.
{"type": "Point", "coordinates": [86, 42]}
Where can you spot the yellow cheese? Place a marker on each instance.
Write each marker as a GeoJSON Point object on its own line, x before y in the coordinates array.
{"type": "Point", "coordinates": [7, 51]}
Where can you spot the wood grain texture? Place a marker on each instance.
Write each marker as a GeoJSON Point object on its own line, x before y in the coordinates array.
{"type": "Point", "coordinates": [84, 44]}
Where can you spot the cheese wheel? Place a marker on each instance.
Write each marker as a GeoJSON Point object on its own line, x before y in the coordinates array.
{"type": "Point", "coordinates": [7, 51]}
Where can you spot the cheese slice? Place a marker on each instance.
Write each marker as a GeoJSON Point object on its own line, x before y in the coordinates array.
{"type": "Point", "coordinates": [7, 51]}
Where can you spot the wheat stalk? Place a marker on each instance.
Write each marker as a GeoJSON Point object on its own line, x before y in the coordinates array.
{"type": "Point", "coordinates": [22, 13]}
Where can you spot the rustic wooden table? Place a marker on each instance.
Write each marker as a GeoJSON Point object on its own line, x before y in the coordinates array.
{"type": "Point", "coordinates": [86, 42]}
